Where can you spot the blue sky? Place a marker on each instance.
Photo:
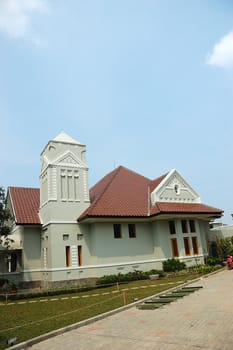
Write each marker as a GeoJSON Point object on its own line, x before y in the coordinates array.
{"type": "Point", "coordinates": [147, 84]}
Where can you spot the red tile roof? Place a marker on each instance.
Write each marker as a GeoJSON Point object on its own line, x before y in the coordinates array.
{"type": "Point", "coordinates": [121, 193]}
{"type": "Point", "coordinates": [25, 203]}
{"type": "Point", "coordinates": [124, 193]}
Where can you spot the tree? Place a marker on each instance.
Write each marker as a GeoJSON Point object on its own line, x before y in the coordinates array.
{"type": "Point", "coordinates": [5, 217]}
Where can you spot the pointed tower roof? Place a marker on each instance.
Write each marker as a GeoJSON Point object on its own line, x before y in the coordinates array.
{"type": "Point", "coordinates": [64, 138]}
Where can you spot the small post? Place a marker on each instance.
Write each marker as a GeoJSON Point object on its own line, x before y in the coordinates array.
{"type": "Point", "coordinates": [124, 297]}
{"type": "Point", "coordinates": [117, 286]}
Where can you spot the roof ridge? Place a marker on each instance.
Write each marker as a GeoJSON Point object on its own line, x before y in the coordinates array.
{"type": "Point", "coordinates": [135, 172]}
{"type": "Point", "coordinates": [23, 188]}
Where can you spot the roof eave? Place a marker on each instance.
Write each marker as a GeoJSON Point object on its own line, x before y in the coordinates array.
{"type": "Point", "coordinates": [28, 224]}
{"type": "Point", "coordinates": [209, 215]}
{"type": "Point", "coordinates": [100, 217]}
{"type": "Point", "coordinates": [93, 218]}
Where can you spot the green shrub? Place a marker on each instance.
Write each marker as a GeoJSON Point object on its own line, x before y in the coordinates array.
{"type": "Point", "coordinates": [212, 261]}
{"type": "Point", "coordinates": [124, 278]}
{"type": "Point", "coordinates": [204, 269]}
{"type": "Point", "coordinates": [173, 265]}
{"type": "Point", "coordinates": [45, 293]}
{"type": "Point", "coordinates": [213, 249]}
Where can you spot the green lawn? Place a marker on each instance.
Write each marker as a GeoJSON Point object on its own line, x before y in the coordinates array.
{"type": "Point", "coordinates": [30, 318]}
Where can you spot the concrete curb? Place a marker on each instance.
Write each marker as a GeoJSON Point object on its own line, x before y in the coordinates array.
{"type": "Point", "coordinates": [30, 342]}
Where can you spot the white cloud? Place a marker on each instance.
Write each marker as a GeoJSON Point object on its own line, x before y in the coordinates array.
{"type": "Point", "coordinates": [15, 15]}
{"type": "Point", "coordinates": [222, 54]}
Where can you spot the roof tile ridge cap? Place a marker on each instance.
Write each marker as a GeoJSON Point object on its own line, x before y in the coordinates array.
{"type": "Point", "coordinates": [105, 188]}
{"type": "Point", "coordinates": [23, 188]}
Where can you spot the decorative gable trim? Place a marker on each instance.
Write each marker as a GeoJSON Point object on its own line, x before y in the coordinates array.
{"type": "Point", "coordinates": [174, 188]}
{"type": "Point", "coordinates": [68, 159]}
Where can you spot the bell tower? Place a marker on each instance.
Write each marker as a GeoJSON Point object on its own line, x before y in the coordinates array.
{"type": "Point", "coordinates": [64, 193]}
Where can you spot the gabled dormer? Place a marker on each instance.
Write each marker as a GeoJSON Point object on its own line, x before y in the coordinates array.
{"type": "Point", "coordinates": [174, 188]}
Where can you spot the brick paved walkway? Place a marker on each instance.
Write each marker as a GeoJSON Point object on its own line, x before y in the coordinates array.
{"type": "Point", "coordinates": [201, 320]}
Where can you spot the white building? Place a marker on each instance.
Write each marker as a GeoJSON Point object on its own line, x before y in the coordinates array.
{"type": "Point", "coordinates": [65, 234]}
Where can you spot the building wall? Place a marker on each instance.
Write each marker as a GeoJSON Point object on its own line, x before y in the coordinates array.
{"type": "Point", "coordinates": [65, 248]}
{"type": "Point", "coordinates": [107, 249]}
{"type": "Point", "coordinates": [222, 231]}
{"type": "Point", "coordinates": [31, 254]}
{"type": "Point", "coordinates": [44, 256]}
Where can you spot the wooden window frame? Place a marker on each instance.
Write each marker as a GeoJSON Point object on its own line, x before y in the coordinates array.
{"type": "Point", "coordinates": [132, 230]}
{"type": "Point", "coordinates": [187, 246]}
{"type": "Point", "coordinates": [195, 245]}
{"type": "Point", "coordinates": [172, 227]}
{"type": "Point", "coordinates": [80, 255]}
{"type": "Point", "coordinates": [68, 260]}
{"type": "Point", "coordinates": [175, 250]}
{"type": "Point", "coordinates": [192, 226]}
{"type": "Point", "coordinates": [117, 231]}
{"type": "Point", "coordinates": [184, 226]}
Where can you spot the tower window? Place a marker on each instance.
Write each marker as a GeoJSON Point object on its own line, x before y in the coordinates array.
{"type": "Point", "coordinates": [63, 186]}
{"type": "Point", "coordinates": [69, 185]}
{"type": "Point", "coordinates": [76, 176]}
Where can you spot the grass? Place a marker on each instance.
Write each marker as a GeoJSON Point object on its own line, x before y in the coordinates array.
{"type": "Point", "coordinates": [30, 318]}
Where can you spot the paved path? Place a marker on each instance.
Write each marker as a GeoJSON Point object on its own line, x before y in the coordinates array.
{"type": "Point", "coordinates": [201, 320]}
